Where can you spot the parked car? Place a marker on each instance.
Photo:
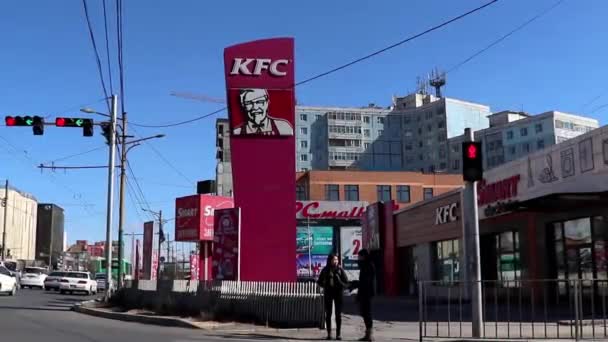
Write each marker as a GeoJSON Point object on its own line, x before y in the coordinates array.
{"type": "Point", "coordinates": [77, 282]}
{"type": "Point", "coordinates": [33, 277]}
{"type": "Point", "coordinates": [100, 278]}
{"type": "Point", "coordinates": [12, 266]}
{"type": "Point", "coordinates": [52, 281]}
{"type": "Point", "coordinates": [8, 282]}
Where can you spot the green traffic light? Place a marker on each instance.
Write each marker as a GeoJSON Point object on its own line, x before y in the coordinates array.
{"type": "Point", "coordinates": [78, 122]}
{"type": "Point", "coordinates": [29, 122]}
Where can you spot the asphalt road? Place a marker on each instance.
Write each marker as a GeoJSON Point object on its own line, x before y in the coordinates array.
{"type": "Point", "coordinates": [38, 316]}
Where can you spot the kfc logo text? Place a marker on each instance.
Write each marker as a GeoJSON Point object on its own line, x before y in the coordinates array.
{"type": "Point", "coordinates": [190, 212]}
{"type": "Point", "coordinates": [242, 66]}
{"type": "Point", "coordinates": [447, 213]}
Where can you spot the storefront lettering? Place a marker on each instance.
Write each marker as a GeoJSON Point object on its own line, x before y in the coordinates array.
{"type": "Point", "coordinates": [497, 191]}
{"type": "Point", "coordinates": [447, 213]}
{"type": "Point", "coordinates": [311, 210]}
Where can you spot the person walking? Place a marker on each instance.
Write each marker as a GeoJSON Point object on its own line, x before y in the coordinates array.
{"type": "Point", "coordinates": [366, 291]}
{"type": "Point", "coordinates": [334, 281]}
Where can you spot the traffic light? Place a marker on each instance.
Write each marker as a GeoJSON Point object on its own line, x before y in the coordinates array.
{"type": "Point", "coordinates": [36, 122]}
{"type": "Point", "coordinates": [472, 161]}
{"type": "Point", "coordinates": [106, 131]}
{"type": "Point", "coordinates": [85, 124]}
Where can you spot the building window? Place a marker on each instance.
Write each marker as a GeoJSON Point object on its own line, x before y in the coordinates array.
{"type": "Point", "coordinates": [301, 193]}
{"type": "Point", "coordinates": [456, 164]}
{"type": "Point", "coordinates": [447, 261]}
{"type": "Point", "coordinates": [421, 157]}
{"type": "Point", "coordinates": [456, 148]}
{"type": "Point", "coordinates": [303, 117]}
{"type": "Point", "coordinates": [512, 149]}
{"type": "Point", "coordinates": [429, 128]}
{"type": "Point", "coordinates": [428, 115]}
{"type": "Point", "coordinates": [384, 192]}
{"type": "Point", "coordinates": [332, 192]}
{"type": "Point", "coordinates": [408, 147]}
{"type": "Point", "coordinates": [526, 147]}
{"type": "Point", "coordinates": [443, 166]}
{"type": "Point", "coordinates": [366, 145]}
{"type": "Point", "coordinates": [419, 130]}
{"type": "Point", "coordinates": [366, 119]}
{"type": "Point", "coordinates": [523, 131]}
{"type": "Point", "coordinates": [507, 258]}
{"type": "Point", "coordinates": [304, 157]}
{"type": "Point", "coordinates": [318, 116]}
{"type": "Point", "coordinates": [538, 127]}
{"type": "Point", "coordinates": [380, 120]}
{"type": "Point", "coordinates": [403, 193]}
{"type": "Point", "coordinates": [428, 193]}
{"type": "Point", "coordinates": [304, 143]}
{"type": "Point", "coordinates": [440, 124]}
{"type": "Point", "coordinates": [366, 133]}
{"type": "Point", "coordinates": [420, 144]}
{"type": "Point", "coordinates": [407, 119]}
{"type": "Point", "coordinates": [509, 135]}
{"type": "Point", "coordinates": [540, 144]}
{"type": "Point", "coordinates": [304, 130]}
{"type": "Point", "coordinates": [380, 132]}
{"type": "Point", "coordinates": [351, 192]}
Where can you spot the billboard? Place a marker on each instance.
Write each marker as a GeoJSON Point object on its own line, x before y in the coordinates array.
{"type": "Point", "coordinates": [350, 244]}
{"type": "Point", "coordinates": [226, 244]}
{"type": "Point", "coordinates": [310, 266]}
{"type": "Point", "coordinates": [147, 250]}
{"type": "Point", "coordinates": [317, 240]}
{"type": "Point", "coordinates": [261, 109]}
{"type": "Point", "coordinates": [194, 216]}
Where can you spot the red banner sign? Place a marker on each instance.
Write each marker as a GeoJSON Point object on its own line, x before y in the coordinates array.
{"type": "Point", "coordinates": [226, 244]}
{"type": "Point", "coordinates": [194, 266]}
{"type": "Point", "coordinates": [154, 272]}
{"type": "Point", "coordinates": [147, 250]}
{"type": "Point", "coordinates": [194, 216]}
{"type": "Point", "coordinates": [261, 109]}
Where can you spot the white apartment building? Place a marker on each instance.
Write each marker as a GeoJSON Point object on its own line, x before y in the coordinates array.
{"type": "Point", "coordinates": [21, 209]}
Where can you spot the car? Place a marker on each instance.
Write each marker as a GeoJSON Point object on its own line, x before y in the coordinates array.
{"type": "Point", "coordinates": [52, 281]}
{"type": "Point", "coordinates": [8, 282]}
{"type": "Point", "coordinates": [33, 277]}
{"type": "Point", "coordinates": [100, 278]}
{"type": "Point", "coordinates": [77, 282]}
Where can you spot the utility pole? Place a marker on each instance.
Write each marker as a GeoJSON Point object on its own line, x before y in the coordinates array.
{"type": "Point", "coordinates": [121, 197]}
{"type": "Point", "coordinates": [471, 246]}
{"type": "Point", "coordinates": [5, 202]}
{"type": "Point", "coordinates": [160, 230]}
{"type": "Point", "coordinates": [110, 204]}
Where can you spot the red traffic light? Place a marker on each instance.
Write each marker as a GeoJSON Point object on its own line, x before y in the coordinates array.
{"type": "Point", "coordinates": [10, 121]}
{"type": "Point", "coordinates": [472, 151]}
{"type": "Point", "coordinates": [60, 122]}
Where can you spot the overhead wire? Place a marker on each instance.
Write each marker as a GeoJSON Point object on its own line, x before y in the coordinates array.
{"type": "Point", "coordinates": [97, 58]}
{"type": "Point", "coordinates": [105, 22]}
{"type": "Point", "coordinates": [76, 154]}
{"type": "Point", "coordinates": [341, 67]}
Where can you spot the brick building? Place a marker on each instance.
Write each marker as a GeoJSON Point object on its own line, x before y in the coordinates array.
{"type": "Point", "coordinates": [372, 186]}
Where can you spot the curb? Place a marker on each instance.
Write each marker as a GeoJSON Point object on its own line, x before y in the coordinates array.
{"type": "Point", "coordinates": [163, 321]}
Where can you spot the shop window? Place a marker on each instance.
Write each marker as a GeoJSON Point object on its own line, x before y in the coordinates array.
{"type": "Point", "coordinates": [428, 193]}
{"type": "Point", "coordinates": [332, 192]}
{"type": "Point", "coordinates": [508, 263]}
{"type": "Point", "coordinates": [351, 192]}
{"type": "Point", "coordinates": [403, 193]}
{"type": "Point", "coordinates": [384, 192]}
{"type": "Point", "coordinates": [447, 261]}
{"type": "Point", "coordinates": [301, 193]}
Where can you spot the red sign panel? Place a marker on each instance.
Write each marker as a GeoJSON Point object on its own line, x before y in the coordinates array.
{"type": "Point", "coordinates": [498, 191]}
{"type": "Point", "coordinates": [194, 216]}
{"type": "Point", "coordinates": [261, 109]}
{"type": "Point", "coordinates": [147, 250]}
{"type": "Point", "coordinates": [226, 244]}
{"type": "Point", "coordinates": [194, 266]}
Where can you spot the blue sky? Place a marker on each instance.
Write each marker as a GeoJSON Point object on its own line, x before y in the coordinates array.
{"type": "Point", "coordinates": [48, 68]}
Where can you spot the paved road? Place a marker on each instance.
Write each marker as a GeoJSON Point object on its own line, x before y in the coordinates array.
{"type": "Point", "coordinates": [35, 316]}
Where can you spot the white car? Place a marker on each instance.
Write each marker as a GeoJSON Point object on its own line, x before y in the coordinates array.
{"type": "Point", "coordinates": [53, 280]}
{"type": "Point", "coordinates": [8, 282]}
{"type": "Point", "coordinates": [77, 282]}
{"type": "Point", "coordinates": [33, 277]}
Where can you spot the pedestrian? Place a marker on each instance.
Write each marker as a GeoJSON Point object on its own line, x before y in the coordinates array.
{"type": "Point", "coordinates": [366, 291]}
{"type": "Point", "coordinates": [334, 281]}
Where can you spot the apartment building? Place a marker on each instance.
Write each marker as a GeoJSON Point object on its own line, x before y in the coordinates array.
{"type": "Point", "coordinates": [21, 209]}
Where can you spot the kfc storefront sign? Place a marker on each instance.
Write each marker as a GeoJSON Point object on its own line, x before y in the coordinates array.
{"type": "Point", "coordinates": [324, 210]}
{"type": "Point", "coordinates": [447, 213]}
{"type": "Point", "coordinates": [194, 216]}
{"type": "Point", "coordinates": [255, 66]}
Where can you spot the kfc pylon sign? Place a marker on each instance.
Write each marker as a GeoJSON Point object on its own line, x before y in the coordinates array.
{"type": "Point", "coordinates": [194, 216]}
{"type": "Point", "coordinates": [330, 209]}
{"type": "Point", "coordinates": [255, 66]}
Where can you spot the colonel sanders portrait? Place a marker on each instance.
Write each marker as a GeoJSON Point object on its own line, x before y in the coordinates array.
{"type": "Point", "coordinates": [254, 104]}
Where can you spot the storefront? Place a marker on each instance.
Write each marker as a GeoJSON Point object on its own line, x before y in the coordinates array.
{"type": "Point", "coordinates": [541, 217]}
{"type": "Point", "coordinates": [325, 227]}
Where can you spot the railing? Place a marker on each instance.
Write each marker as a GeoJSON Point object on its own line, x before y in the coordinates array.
{"type": "Point", "coordinates": [516, 309]}
{"type": "Point", "coordinates": [271, 303]}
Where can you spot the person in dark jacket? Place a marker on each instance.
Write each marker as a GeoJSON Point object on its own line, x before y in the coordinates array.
{"type": "Point", "coordinates": [334, 281]}
{"type": "Point", "coordinates": [366, 291]}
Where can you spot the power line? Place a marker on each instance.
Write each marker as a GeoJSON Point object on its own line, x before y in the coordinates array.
{"type": "Point", "coordinates": [76, 155]}
{"type": "Point", "coordinates": [97, 58]}
{"type": "Point", "coordinates": [105, 23]}
{"type": "Point", "coordinates": [136, 203]}
{"type": "Point", "coordinates": [141, 193]}
{"type": "Point", "coordinates": [510, 33]}
{"type": "Point", "coordinates": [341, 67]}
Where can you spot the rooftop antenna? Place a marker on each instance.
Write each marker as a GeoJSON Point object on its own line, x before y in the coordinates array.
{"type": "Point", "coordinates": [437, 80]}
{"type": "Point", "coordinates": [421, 87]}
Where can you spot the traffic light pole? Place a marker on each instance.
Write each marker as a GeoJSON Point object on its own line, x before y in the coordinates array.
{"type": "Point", "coordinates": [5, 215]}
{"type": "Point", "coordinates": [121, 197]}
{"type": "Point", "coordinates": [110, 204]}
{"type": "Point", "coordinates": [471, 249]}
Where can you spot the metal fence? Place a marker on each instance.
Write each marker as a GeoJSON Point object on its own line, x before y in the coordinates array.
{"type": "Point", "coordinates": [516, 309]}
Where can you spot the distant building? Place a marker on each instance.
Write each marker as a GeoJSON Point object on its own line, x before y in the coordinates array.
{"type": "Point", "coordinates": [49, 233]}
{"type": "Point", "coordinates": [20, 224]}
{"type": "Point", "coordinates": [512, 135]}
